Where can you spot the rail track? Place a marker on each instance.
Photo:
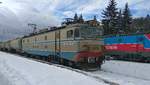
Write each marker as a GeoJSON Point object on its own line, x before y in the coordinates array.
{"type": "Point", "coordinates": [87, 73]}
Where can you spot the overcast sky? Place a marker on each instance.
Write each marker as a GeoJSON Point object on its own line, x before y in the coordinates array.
{"type": "Point", "coordinates": [16, 14]}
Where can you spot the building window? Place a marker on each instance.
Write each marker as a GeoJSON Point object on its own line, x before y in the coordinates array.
{"type": "Point", "coordinates": [70, 34]}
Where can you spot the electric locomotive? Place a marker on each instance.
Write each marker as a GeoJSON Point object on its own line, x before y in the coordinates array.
{"type": "Point", "coordinates": [75, 44]}
{"type": "Point", "coordinates": [133, 47]}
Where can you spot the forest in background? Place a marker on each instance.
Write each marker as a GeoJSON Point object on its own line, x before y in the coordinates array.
{"type": "Point", "coordinates": [117, 21]}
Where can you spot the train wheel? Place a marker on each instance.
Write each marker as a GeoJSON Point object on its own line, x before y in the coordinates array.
{"type": "Point", "coordinates": [62, 61]}
{"type": "Point", "coordinates": [44, 58]}
{"type": "Point", "coordinates": [49, 58]}
{"type": "Point", "coordinates": [70, 63]}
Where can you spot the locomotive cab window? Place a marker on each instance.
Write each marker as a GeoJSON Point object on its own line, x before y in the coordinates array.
{"type": "Point", "coordinates": [70, 34]}
{"type": "Point", "coordinates": [90, 32]}
{"type": "Point", "coordinates": [77, 33]}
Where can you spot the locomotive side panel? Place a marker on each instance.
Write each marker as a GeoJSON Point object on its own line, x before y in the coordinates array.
{"type": "Point", "coordinates": [132, 47]}
{"type": "Point", "coordinates": [15, 45]}
{"type": "Point", "coordinates": [68, 45]}
{"type": "Point", "coordinates": [42, 44]}
{"type": "Point", "coordinates": [7, 45]}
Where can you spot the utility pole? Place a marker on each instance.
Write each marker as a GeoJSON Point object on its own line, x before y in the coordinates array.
{"type": "Point", "coordinates": [34, 26]}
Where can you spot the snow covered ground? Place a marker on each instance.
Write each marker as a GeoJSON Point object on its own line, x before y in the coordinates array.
{"type": "Point", "coordinates": [125, 73]}
{"type": "Point", "coordinates": [16, 70]}
{"type": "Point", "coordinates": [20, 71]}
{"type": "Point", "coordinates": [133, 69]}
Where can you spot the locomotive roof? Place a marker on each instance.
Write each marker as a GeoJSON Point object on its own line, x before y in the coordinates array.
{"type": "Point", "coordinates": [130, 34]}
{"type": "Point", "coordinates": [53, 29]}
{"type": "Point", "coordinates": [56, 28]}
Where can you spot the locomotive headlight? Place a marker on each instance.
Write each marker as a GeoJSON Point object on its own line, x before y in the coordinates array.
{"type": "Point", "coordinates": [91, 60]}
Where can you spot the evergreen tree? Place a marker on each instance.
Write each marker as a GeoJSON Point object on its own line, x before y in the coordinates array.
{"type": "Point", "coordinates": [120, 22]}
{"type": "Point", "coordinates": [147, 23]}
{"type": "Point", "coordinates": [141, 24]}
{"type": "Point", "coordinates": [138, 25]}
{"type": "Point", "coordinates": [127, 19]}
{"type": "Point", "coordinates": [110, 18]}
{"type": "Point", "coordinates": [148, 16]}
{"type": "Point", "coordinates": [76, 17]}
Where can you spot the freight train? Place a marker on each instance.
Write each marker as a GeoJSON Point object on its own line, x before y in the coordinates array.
{"type": "Point", "coordinates": [131, 47]}
{"type": "Point", "coordinates": [74, 44]}
{"type": "Point", "coordinates": [80, 45]}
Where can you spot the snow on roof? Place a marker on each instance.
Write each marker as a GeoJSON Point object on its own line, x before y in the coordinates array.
{"type": "Point", "coordinates": [15, 70]}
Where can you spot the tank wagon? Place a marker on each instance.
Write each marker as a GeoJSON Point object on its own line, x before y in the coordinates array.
{"type": "Point", "coordinates": [129, 47]}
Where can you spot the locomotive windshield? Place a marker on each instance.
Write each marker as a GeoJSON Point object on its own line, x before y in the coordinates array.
{"type": "Point", "coordinates": [90, 32]}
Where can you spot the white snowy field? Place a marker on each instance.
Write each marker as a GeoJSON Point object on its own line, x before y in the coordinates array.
{"type": "Point", "coordinates": [15, 70]}
{"type": "Point", "coordinates": [125, 73]}
{"type": "Point", "coordinates": [133, 69]}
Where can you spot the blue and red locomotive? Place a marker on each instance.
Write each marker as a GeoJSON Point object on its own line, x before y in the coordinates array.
{"type": "Point", "coordinates": [128, 47]}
